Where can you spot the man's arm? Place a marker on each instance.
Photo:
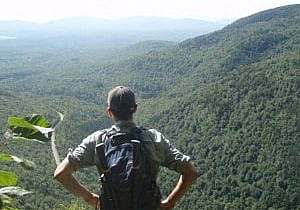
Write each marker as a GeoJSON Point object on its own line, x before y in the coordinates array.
{"type": "Point", "coordinates": [187, 178]}
{"type": "Point", "coordinates": [63, 174]}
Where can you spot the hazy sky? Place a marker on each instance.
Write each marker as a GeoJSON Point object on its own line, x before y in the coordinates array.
{"type": "Point", "coordinates": [45, 10]}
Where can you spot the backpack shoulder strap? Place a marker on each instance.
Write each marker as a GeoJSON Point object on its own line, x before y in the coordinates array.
{"type": "Point", "coordinates": [137, 132]}
{"type": "Point", "coordinates": [100, 151]}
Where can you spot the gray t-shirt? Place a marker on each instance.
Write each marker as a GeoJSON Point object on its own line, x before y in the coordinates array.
{"type": "Point", "coordinates": [158, 148]}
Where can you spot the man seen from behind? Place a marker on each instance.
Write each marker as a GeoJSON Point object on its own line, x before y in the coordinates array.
{"type": "Point", "coordinates": [155, 149]}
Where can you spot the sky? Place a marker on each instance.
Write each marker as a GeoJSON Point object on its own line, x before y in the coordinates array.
{"type": "Point", "coordinates": [47, 10]}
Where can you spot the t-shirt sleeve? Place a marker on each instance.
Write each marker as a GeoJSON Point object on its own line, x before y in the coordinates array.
{"type": "Point", "coordinates": [173, 158]}
{"type": "Point", "coordinates": [168, 155]}
{"type": "Point", "coordinates": [84, 154]}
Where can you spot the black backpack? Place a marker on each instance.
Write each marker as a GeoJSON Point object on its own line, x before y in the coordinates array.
{"type": "Point", "coordinates": [127, 181]}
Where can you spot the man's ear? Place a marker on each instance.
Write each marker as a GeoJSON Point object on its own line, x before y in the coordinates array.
{"type": "Point", "coordinates": [135, 108]}
{"type": "Point", "coordinates": [108, 112]}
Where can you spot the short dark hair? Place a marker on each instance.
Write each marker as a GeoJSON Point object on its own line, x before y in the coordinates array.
{"type": "Point", "coordinates": [121, 101]}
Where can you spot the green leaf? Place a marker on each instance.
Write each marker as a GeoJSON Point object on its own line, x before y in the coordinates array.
{"type": "Point", "coordinates": [5, 157]}
{"type": "Point", "coordinates": [32, 127]}
{"type": "Point", "coordinates": [39, 120]}
{"type": "Point", "coordinates": [17, 122]}
{"type": "Point", "coordinates": [7, 178]}
{"type": "Point", "coordinates": [10, 208]}
{"type": "Point", "coordinates": [29, 165]}
{"type": "Point", "coordinates": [6, 200]}
{"type": "Point", "coordinates": [43, 130]}
{"type": "Point", "coordinates": [18, 191]}
{"type": "Point", "coordinates": [19, 138]}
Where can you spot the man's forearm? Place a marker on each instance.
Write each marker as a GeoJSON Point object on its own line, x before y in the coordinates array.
{"type": "Point", "coordinates": [63, 174]}
{"type": "Point", "coordinates": [71, 184]}
{"type": "Point", "coordinates": [187, 178]}
{"type": "Point", "coordinates": [182, 186]}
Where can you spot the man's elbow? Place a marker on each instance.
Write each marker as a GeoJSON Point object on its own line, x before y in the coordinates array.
{"type": "Point", "coordinates": [63, 171]}
{"type": "Point", "coordinates": [194, 174]}
{"type": "Point", "coordinates": [59, 175]}
{"type": "Point", "coordinates": [191, 173]}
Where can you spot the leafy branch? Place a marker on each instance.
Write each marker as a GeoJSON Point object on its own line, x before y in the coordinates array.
{"type": "Point", "coordinates": [31, 128]}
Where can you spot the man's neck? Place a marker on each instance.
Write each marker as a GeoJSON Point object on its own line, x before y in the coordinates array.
{"type": "Point", "coordinates": [124, 124]}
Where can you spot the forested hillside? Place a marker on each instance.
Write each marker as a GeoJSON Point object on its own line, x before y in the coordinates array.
{"type": "Point", "coordinates": [229, 99]}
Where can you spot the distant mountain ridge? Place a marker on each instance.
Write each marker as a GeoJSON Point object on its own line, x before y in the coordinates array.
{"type": "Point", "coordinates": [279, 13]}
{"type": "Point", "coordinates": [274, 16]}
{"type": "Point", "coordinates": [152, 27]}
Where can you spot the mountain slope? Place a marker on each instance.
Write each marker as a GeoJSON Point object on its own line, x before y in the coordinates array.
{"type": "Point", "coordinates": [238, 120]}
{"type": "Point", "coordinates": [241, 132]}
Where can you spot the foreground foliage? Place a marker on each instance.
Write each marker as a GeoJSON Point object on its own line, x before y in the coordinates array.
{"type": "Point", "coordinates": [19, 129]}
